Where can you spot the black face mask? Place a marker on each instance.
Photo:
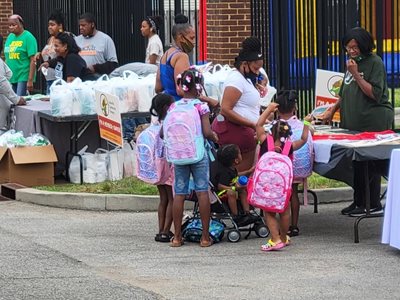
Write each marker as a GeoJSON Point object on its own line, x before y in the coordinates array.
{"type": "Point", "coordinates": [252, 76]}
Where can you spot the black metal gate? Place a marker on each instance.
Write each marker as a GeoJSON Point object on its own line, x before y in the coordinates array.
{"type": "Point", "coordinates": [300, 36]}
{"type": "Point", "coordinates": [121, 19]}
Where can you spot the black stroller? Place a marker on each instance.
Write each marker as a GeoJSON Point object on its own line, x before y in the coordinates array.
{"type": "Point", "coordinates": [220, 211]}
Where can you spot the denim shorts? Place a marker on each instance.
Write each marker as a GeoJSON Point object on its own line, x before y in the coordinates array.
{"type": "Point", "coordinates": [200, 172]}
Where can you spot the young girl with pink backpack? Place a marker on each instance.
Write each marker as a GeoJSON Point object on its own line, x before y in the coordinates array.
{"type": "Point", "coordinates": [185, 129]}
{"type": "Point", "coordinates": [271, 184]}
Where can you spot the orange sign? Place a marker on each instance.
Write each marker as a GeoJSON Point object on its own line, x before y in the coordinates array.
{"type": "Point", "coordinates": [109, 116]}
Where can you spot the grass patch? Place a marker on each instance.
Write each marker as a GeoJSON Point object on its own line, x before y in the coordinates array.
{"type": "Point", "coordinates": [135, 186]}
{"type": "Point", "coordinates": [130, 185]}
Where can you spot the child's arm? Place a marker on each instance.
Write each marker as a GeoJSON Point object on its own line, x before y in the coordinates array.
{"type": "Point", "coordinates": [261, 135]}
{"type": "Point", "coordinates": [206, 128]}
{"type": "Point", "coordinates": [210, 101]}
{"type": "Point", "coordinates": [247, 172]}
{"type": "Point", "coordinates": [304, 135]}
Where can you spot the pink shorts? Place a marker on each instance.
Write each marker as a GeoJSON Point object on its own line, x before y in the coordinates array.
{"type": "Point", "coordinates": [231, 133]}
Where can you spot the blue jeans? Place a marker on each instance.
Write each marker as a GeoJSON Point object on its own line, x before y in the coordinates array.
{"type": "Point", "coordinates": [48, 84]}
{"type": "Point", "coordinates": [129, 126]}
{"type": "Point", "coordinates": [201, 175]}
{"type": "Point", "coordinates": [20, 88]}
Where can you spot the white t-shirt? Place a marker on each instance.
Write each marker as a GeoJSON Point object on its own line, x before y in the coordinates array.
{"type": "Point", "coordinates": [248, 105]}
{"type": "Point", "coordinates": [97, 49]}
{"type": "Point", "coordinates": [155, 46]}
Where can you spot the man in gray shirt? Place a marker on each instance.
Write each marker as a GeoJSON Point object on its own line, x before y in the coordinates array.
{"type": "Point", "coordinates": [97, 48]}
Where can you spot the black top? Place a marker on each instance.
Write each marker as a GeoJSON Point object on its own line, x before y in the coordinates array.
{"type": "Point", "coordinates": [72, 65]}
{"type": "Point", "coordinates": [224, 175]}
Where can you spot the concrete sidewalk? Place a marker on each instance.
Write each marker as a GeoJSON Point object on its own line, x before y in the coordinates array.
{"type": "Point", "coordinates": [115, 202]}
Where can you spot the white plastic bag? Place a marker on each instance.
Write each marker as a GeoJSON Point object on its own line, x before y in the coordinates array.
{"type": "Point", "coordinates": [85, 96]}
{"type": "Point", "coordinates": [61, 98]}
{"type": "Point", "coordinates": [145, 92]}
{"type": "Point", "coordinates": [129, 150]}
{"type": "Point", "coordinates": [89, 172]}
{"type": "Point", "coordinates": [116, 164]}
{"type": "Point", "coordinates": [101, 163]}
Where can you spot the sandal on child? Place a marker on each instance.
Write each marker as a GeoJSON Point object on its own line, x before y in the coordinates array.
{"type": "Point", "coordinates": [288, 241]}
{"type": "Point", "coordinates": [164, 238]}
{"type": "Point", "coordinates": [206, 243]}
{"type": "Point", "coordinates": [271, 246]}
{"type": "Point", "coordinates": [293, 231]}
{"type": "Point", "coordinates": [157, 237]}
{"type": "Point", "coordinates": [176, 243]}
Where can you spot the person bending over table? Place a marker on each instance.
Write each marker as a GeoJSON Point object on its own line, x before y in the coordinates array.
{"type": "Point", "coordinates": [364, 106]}
{"type": "Point", "coordinates": [7, 95]}
{"type": "Point", "coordinates": [68, 64]}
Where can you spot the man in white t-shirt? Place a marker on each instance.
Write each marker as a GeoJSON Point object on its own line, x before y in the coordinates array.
{"type": "Point", "coordinates": [97, 48]}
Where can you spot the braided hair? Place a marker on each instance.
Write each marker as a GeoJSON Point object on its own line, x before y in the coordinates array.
{"type": "Point", "coordinates": [281, 130]}
{"type": "Point", "coordinates": [287, 100]}
{"type": "Point", "coordinates": [160, 104]}
{"type": "Point", "coordinates": [191, 79]}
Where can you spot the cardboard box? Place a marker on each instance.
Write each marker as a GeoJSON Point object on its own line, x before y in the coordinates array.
{"type": "Point", "coordinates": [29, 166]}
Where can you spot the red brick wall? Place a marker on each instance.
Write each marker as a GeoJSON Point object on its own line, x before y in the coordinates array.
{"type": "Point", "coordinates": [5, 12]}
{"type": "Point", "coordinates": [228, 24]}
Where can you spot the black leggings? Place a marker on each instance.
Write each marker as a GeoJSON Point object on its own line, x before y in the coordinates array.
{"type": "Point", "coordinates": [376, 169]}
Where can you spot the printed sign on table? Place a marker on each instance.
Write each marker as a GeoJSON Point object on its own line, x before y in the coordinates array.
{"type": "Point", "coordinates": [109, 116]}
{"type": "Point", "coordinates": [327, 89]}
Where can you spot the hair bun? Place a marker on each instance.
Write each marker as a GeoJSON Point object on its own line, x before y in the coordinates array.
{"type": "Point", "coordinates": [252, 44]}
{"type": "Point", "coordinates": [181, 19]}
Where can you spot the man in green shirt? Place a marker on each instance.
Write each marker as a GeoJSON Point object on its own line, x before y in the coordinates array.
{"type": "Point", "coordinates": [364, 106]}
{"type": "Point", "coordinates": [19, 51]}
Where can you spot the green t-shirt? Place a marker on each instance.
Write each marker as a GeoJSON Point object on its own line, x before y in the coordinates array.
{"type": "Point", "coordinates": [358, 111]}
{"type": "Point", "coordinates": [17, 52]}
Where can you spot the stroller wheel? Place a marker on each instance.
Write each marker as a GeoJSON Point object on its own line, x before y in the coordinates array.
{"type": "Point", "coordinates": [233, 236]}
{"type": "Point", "coordinates": [261, 231]}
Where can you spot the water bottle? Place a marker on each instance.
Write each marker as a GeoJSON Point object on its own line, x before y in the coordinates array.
{"type": "Point", "coordinates": [243, 180]}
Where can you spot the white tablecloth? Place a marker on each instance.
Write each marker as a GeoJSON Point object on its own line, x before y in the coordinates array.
{"type": "Point", "coordinates": [391, 223]}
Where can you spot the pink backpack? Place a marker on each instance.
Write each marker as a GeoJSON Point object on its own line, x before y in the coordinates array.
{"type": "Point", "coordinates": [270, 187]}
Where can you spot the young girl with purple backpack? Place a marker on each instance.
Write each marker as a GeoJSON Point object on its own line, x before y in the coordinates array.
{"type": "Point", "coordinates": [271, 185]}
{"type": "Point", "coordinates": [185, 129]}
{"type": "Point", "coordinates": [152, 166]}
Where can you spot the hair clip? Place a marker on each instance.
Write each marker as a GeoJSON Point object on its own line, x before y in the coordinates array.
{"type": "Point", "coordinates": [286, 127]}
{"type": "Point", "coordinates": [188, 79]}
{"type": "Point", "coordinates": [268, 127]}
{"type": "Point", "coordinates": [282, 139]}
{"type": "Point", "coordinates": [198, 86]}
{"type": "Point", "coordinates": [185, 88]}
{"type": "Point", "coordinates": [179, 76]}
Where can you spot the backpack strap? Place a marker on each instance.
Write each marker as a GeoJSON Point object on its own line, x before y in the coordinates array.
{"type": "Point", "coordinates": [270, 143]}
{"type": "Point", "coordinates": [286, 147]}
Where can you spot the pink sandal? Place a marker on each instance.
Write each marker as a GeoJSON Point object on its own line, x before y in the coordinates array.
{"type": "Point", "coordinates": [271, 246]}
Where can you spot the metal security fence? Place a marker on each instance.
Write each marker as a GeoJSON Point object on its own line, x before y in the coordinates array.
{"type": "Point", "coordinates": [121, 19]}
{"type": "Point", "coordinates": [299, 36]}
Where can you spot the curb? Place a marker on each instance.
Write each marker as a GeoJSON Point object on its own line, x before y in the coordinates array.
{"type": "Point", "coordinates": [137, 203]}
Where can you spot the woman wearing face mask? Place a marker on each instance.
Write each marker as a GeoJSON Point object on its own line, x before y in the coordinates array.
{"type": "Point", "coordinates": [364, 106]}
{"type": "Point", "coordinates": [176, 60]}
{"type": "Point", "coordinates": [240, 105]}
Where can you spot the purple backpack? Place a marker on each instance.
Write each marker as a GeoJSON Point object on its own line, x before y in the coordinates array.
{"type": "Point", "coordinates": [183, 135]}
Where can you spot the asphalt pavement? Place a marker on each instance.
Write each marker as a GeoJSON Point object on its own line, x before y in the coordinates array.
{"type": "Point", "coordinates": [53, 253]}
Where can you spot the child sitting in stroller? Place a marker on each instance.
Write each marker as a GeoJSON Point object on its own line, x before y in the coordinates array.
{"type": "Point", "coordinates": [228, 187]}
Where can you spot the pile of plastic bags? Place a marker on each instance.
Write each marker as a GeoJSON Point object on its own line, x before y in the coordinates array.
{"type": "Point", "coordinates": [12, 138]}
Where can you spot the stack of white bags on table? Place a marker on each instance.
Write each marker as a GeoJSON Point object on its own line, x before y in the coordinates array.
{"type": "Point", "coordinates": [134, 92]}
{"type": "Point", "coordinates": [78, 98]}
